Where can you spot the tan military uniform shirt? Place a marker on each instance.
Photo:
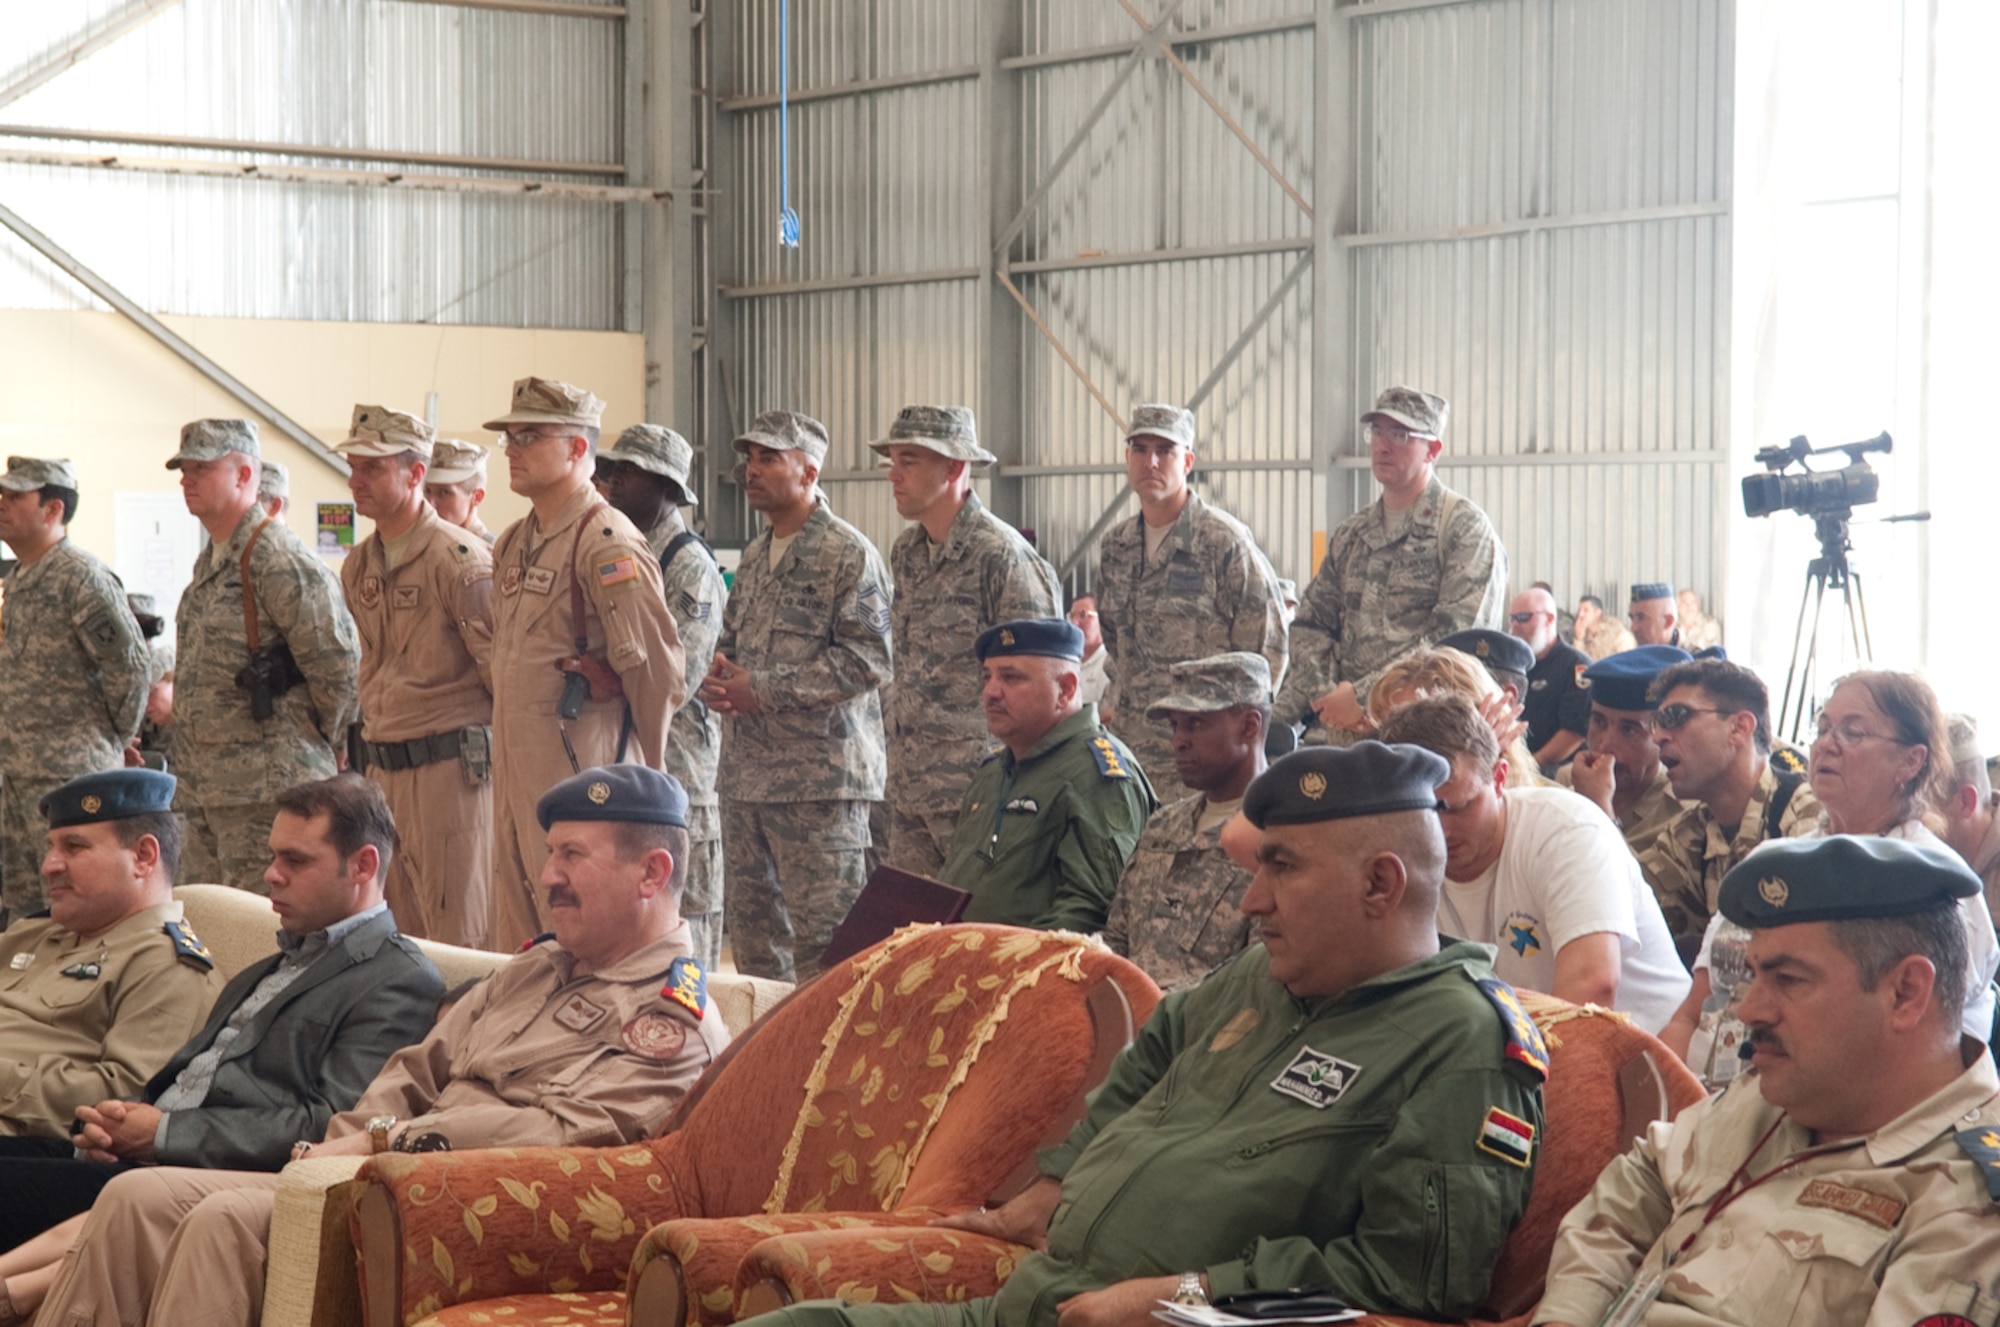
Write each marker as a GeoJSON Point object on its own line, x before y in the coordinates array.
{"type": "Point", "coordinates": [1648, 816]}
{"type": "Point", "coordinates": [541, 1054]}
{"type": "Point", "coordinates": [1607, 638]}
{"type": "Point", "coordinates": [1175, 913]}
{"type": "Point", "coordinates": [473, 525]}
{"type": "Point", "coordinates": [1686, 860]}
{"type": "Point", "coordinates": [426, 631]}
{"type": "Point", "coordinates": [1888, 1231]}
{"type": "Point", "coordinates": [82, 1021]}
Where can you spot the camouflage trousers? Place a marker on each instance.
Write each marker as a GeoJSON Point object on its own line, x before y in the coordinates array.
{"type": "Point", "coordinates": [440, 882]}
{"type": "Point", "coordinates": [24, 841]}
{"type": "Point", "coordinates": [701, 889]}
{"type": "Point", "coordinates": [794, 870]}
{"type": "Point", "coordinates": [919, 839]}
{"type": "Point", "coordinates": [226, 845]}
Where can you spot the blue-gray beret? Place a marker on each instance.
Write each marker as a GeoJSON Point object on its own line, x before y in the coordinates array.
{"type": "Point", "coordinates": [1619, 681]}
{"type": "Point", "coordinates": [1842, 878]}
{"type": "Point", "coordinates": [631, 793]}
{"type": "Point", "coordinates": [1652, 590]}
{"type": "Point", "coordinates": [1335, 782]}
{"type": "Point", "coordinates": [117, 794]}
{"type": "Point", "coordinates": [1048, 637]}
{"type": "Point", "coordinates": [1495, 649]}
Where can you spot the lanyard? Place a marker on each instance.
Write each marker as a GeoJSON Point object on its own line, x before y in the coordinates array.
{"type": "Point", "coordinates": [1741, 1182]}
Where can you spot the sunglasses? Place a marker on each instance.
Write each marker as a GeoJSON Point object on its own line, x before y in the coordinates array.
{"type": "Point", "coordinates": [1524, 618]}
{"type": "Point", "coordinates": [1674, 717]}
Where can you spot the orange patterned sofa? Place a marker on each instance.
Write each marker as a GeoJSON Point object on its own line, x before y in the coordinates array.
{"type": "Point", "coordinates": [915, 1079]}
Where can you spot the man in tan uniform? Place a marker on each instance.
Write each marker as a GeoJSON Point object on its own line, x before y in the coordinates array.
{"type": "Point", "coordinates": [1851, 1173]}
{"type": "Point", "coordinates": [421, 592]}
{"type": "Point", "coordinates": [98, 993]}
{"type": "Point", "coordinates": [455, 485]}
{"type": "Point", "coordinates": [586, 1041]}
{"type": "Point", "coordinates": [579, 625]}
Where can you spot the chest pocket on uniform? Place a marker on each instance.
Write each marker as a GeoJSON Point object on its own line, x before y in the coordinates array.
{"type": "Point", "coordinates": [1807, 1261]}
{"type": "Point", "coordinates": [798, 629]}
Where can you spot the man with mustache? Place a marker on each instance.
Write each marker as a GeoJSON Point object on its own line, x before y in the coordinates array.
{"type": "Point", "coordinates": [1850, 1173]}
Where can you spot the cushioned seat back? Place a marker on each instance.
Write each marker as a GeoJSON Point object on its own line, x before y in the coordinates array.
{"type": "Point", "coordinates": [917, 1072]}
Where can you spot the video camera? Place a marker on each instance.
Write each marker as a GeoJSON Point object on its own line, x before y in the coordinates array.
{"type": "Point", "coordinates": [1815, 493]}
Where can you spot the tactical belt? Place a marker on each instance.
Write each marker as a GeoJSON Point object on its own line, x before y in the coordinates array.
{"type": "Point", "coordinates": [415, 752]}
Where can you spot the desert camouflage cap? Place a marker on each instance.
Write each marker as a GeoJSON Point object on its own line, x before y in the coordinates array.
{"type": "Point", "coordinates": [546, 401]}
{"type": "Point", "coordinates": [376, 430]}
{"type": "Point", "coordinates": [27, 473]}
{"type": "Point", "coordinates": [786, 431]}
{"type": "Point", "coordinates": [454, 462]}
{"type": "Point", "coordinates": [948, 430]}
{"type": "Point", "coordinates": [656, 450]}
{"type": "Point", "coordinates": [1219, 682]}
{"type": "Point", "coordinates": [1424, 414]}
{"type": "Point", "coordinates": [274, 481]}
{"type": "Point", "coordinates": [1162, 421]}
{"type": "Point", "coordinates": [213, 439]}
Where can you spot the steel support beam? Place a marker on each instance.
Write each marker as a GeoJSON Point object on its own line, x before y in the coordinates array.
{"type": "Point", "coordinates": [88, 43]}
{"type": "Point", "coordinates": [169, 338]}
{"type": "Point", "coordinates": [822, 285]}
{"type": "Point", "coordinates": [1533, 225]}
{"type": "Point", "coordinates": [1453, 460]}
{"type": "Point", "coordinates": [1333, 405]}
{"type": "Point", "coordinates": [1191, 254]}
{"type": "Point", "coordinates": [1179, 40]}
{"type": "Point", "coordinates": [608, 169]}
{"type": "Point", "coordinates": [552, 8]}
{"type": "Point", "coordinates": [858, 88]}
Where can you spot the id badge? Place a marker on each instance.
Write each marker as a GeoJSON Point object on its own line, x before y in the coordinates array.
{"type": "Point", "coordinates": [1629, 1309]}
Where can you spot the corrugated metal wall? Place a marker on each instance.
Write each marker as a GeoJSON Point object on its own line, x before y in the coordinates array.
{"type": "Point", "coordinates": [340, 73]}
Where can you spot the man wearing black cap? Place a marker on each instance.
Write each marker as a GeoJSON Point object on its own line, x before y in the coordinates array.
{"type": "Point", "coordinates": [588, 1038]}
{"type": "Point", "coordinates": [1851, 1173]}
{"type": "Point", "coordinates": [1505, 658]}
{"type": "Point", "coordinates": [1619, 767]}
{"type": "Point", "coordinates": [1050, 820]}
{"type": "Point", "coordinates": [1344, 1108]}
{"type": "Point", "coordinates": [97, 992]}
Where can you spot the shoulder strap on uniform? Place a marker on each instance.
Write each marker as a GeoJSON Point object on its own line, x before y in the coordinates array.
{"type": "Point", "coordinates": [1982, 1144]}
{"type": "Point", "coordinates": [1446, 510]}
{"type": "Point", "coordinates": [1110, 760]}
{"type": "Point", "coordinates": [188, 945]}
{"type": "Point", "coordinates": [1524, 1039]}
{"type": "Point", "coordinates": [1781, 800]}
{"type": "Point", "coordinates": [687, 986]}
{"type": "Point", "coordinates": [250, 594]}
{"type": "Point", "coordinates": [680, 541]}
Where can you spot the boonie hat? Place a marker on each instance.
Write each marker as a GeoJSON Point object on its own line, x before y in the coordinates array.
{"type": "Point", "coordinates": [948, 430]}
{"type": "Point", "coordinates": [656, 450]}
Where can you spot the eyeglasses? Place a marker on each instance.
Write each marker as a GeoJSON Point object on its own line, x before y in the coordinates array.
{"type": "Point", "coordinates": [528, 437]}
{"type": "Point", "coordinates": [1380, 432]}
{"type": "Point", "coordinates": [1523, 619]}
{"type": "Point", "coordinates": [1673, 718]}
{"type": "Point", "coordinates": [1848, 734]}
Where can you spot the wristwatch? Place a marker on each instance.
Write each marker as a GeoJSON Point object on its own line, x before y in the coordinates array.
{"type": "Point", "coordinates": [1189, 1291]}
{"type": "Point", "coordinates": [378, 1131]}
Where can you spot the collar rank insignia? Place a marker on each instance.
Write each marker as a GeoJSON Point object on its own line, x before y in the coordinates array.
{"type": "Point", "coordinates": [188, 945]}
{"type": "Point", "coordinates": [1524, 1039]}
{"type": "Point", "coordinates": [1983, 1146]}
{"type": "Point", "coordinates": [83, 971]}
{"type": "Point", "coordinates": [1508, 1137]}
{"type": "Point", "coordinates": [687, 986]}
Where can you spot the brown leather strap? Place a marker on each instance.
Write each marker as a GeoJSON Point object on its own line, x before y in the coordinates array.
{"type": "Point", "coordinates": [249, 596]}
{"type": "Point", "coordinates": [576, 624]}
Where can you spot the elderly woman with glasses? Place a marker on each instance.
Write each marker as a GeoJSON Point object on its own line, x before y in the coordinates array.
{"type": "Point", "coordinates": [1880, 760]}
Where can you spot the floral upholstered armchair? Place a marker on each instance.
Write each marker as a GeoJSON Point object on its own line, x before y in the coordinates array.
{"type": "Point", "coordinates": [917, 1078]}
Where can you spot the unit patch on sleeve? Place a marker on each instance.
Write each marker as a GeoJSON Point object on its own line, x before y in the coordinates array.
{"type": "Point", "coordinates": [1316, 1078]}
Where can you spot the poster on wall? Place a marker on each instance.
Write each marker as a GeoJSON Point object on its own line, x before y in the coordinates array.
{"type": "Point", "coordinates": [336, 529]}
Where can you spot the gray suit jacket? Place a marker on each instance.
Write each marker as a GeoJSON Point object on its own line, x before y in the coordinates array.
{"type": "Point", "coordinates": [307, 1055]}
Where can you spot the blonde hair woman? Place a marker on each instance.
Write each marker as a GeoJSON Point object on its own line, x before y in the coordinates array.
{"type": "Point", "coordinates": [1448, 672]}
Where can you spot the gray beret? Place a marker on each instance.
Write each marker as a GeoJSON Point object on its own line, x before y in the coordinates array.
{"type": "Point", "coordinates": [631, 793]}
{"type": "Point", "coordinates": [1319, 783]}
{"type": "Point", "coordinates": [1046, 637]}
{"type": "Point", "coordinates": [117, 794]}
{"type": "Point", "coordinates": [1842, 878]}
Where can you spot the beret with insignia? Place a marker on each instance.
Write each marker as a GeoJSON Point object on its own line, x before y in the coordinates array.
{"type": "Point", "coordinates": [1495, 649]}
{"type": "Point", "coordinates": [1645, 590]}
{"type": "Point", "coordinates": [1046, 637]}
{"type": "Point", "coordinates": [629, 793]}
{"type": "Point", "coordinates": [1842, 878]}
{"type": "Point", "coordinates": [1619, 681]}
{"type": "Point", "coordinates": [1335, 782]}
{"type": "Point", "coordinates": [117, 794]}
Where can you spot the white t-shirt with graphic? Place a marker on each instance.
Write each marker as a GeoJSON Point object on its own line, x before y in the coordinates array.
{"type": "Point", "coordinates": [1565, 872]}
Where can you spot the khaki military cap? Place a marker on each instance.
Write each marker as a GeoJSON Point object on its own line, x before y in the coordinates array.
{"type": "Point", "coordinates": [546, 401]}
{"type": "Point", "coordinates": [1422, 413]}
{"type": "Point", "coordinates": [377, 430]}
{"type": "Point", "coordinates": [1219, 682]}
{"type": "Point", "coordinates": [948, 430]}
{"type": "Point", "coordinates": [27, 473]}
{"type": "Point", "coordinates": [786, 431]}
{"type": "Point", "coordinates": [656, 450]}
{"type": "Point", "coordinates": [274, 481]}
{"type": "Point", "coordinates": [213, 439]}
{"type": "Point", "coordinates": [1162, 421]}
{"type": "Point", "coordinates": [454, 462]}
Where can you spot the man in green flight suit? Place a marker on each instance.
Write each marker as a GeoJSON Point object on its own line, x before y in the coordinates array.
{"type": "Point", "coordinates": [1050, 820]}
{"type": "Point", "coordinates": [1345, 1108]}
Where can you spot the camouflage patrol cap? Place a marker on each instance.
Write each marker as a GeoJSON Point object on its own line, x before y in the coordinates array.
{"type": "Point", "coordinates": [948, 430]}
{"type": "Point", "coordinates": [659, 451]}
{"type": "Point", "coordinates": [785, 431]}
{"type": "Point", "coordinates": [376, 430]}
{"type": "Point", "coordinates": [1171, 422]}
{"type": "Point", "coordinates": [1219, 682]}
{"type": "Point", "coordinates": [28, 473]}
{"type": "Point", "coordinates": [162, 662]}
{"type": "Point", "coordinates": [213, 439]}
{"type": "Point", "coordinates": [274, 481]}
{"type": "Point", "coordinates": [454, 462]}
{"type": "Point", "coordinates": [1423, 413]}
{"type": "Point", "coordinates": [546, 401]}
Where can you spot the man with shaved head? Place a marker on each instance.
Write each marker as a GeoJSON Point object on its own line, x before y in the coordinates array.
{"type": "Point", "coordinates": [1557, 706]}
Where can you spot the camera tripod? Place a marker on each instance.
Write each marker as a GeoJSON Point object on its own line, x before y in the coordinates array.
{"type": "Point", "coordinates": [1829, 570]}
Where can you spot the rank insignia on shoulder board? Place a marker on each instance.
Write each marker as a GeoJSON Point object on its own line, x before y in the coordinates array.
{"type": "Point", "coordinates": [1524, 1039]}
{"type": "Point", "coordinates": [687, 986]}
{"type": "Point", "coordinates": [1983, 1146]}
{"type": "Point", "coordinates": [1110, 761]}
{"type": "Point", "coordinates": [188, 945]}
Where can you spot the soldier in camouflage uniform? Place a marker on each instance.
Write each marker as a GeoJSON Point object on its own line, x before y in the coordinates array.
{"type": "Point", "coordinates": [274, 489]}
{"type": "Point", "coordinates": [74, 669]}
{"type": "Point", "coordinates": [958, 570]}
{"type": "Point", "coordinates": [455, 485]}
{"type": "Point", "coordinates": [1176, 913]}
{"type": "Point", "coordinates": [645, 476]}
{"type": "Point", "coordinates": [232, 765]}
{"type": "Point", "coordinates": [1181, 580]}
{"type": "Point", "coordinates": [798, 672]}
{"type": "Point", "coordinates": [1419, 564]}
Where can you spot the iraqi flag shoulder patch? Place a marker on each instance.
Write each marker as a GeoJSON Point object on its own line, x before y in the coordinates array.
{"type": "Point", "coordinates": [1508, 1137]}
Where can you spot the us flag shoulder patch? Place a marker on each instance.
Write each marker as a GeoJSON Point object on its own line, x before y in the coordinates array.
{"type": "Point", "coordinates": [617, 571]}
